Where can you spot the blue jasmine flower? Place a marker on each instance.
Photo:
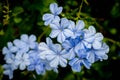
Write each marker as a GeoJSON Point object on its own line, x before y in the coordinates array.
{"type": "Point", "coordinates": [21, 46]}
{"type": "Point", "coordinates": [76, 29]}
{"type": "Point", "coordinates": [53, 17]}
{"type": "Point", "coordinates": [98, 54]}
{"type": "Point", "coordinates": [69, 44]}
{"type": "Point", "coordinates": [91, 38]}
{"type": "Point", "coordinates": [57, 58]}
{"type": "Point", "coordinates": [77, 63]}
{"type": "Point", "coordinates": [29, 40]}
{"type": "Point", "coordinates": [8, 70]}
{"type": "Point", "coordinates": [22, 60]}
{"type": "Point", "coordinates": [55, 55]}
{"type": "Point", "coordinates": [60, 30]}
{"type": "Point", "coordinates": [36, 63]}
{"type": "Point", "coordinates": [9, 49]}
{"type": "Point", "coordinates": [46, 48]}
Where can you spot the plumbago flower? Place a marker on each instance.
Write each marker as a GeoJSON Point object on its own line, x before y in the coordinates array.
{"type": "Point", "coordinates": [77, 47]}
{"type": "Point", "coordinates": [53, 53]}
{"type": "Point", "coordinates": [60, 30]}
{"type": "Point", "coordinates": [16, 54]}
{"type": "Point", "coordinates": [53, 17]}
{"type": "Point", "coordinates": [85, 47]}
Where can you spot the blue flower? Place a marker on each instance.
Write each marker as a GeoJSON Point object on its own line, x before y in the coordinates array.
{"type": "Point", "coordinates": [91, 38]}
{"type": "Point", "coordinates": [8, 70]}
{"type": "Point", "coordinates": [52, 18]}
{"type": "Point", "coordinates": [69, 44]}
{"type": "Point", "coordinates": [36, 63]}
{"type": "Point", "coordinates": [60, 30]}
{"type": "Point", "coordinates": [29, 40]}
{"type": "Point", "coordinates": [98, 54]}
{"type": "Point", "coordinates": [22, 60]}
{"type": "Point", "coordinates": [77, 63]}
{"type": "Point", "coordinates": [55, 55]}
{"type": "Point", "coordinates": [21, 46]}
{"type": "Point", "coordinates": [76, 29]}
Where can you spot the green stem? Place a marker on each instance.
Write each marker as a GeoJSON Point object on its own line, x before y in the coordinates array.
{"type": "Point", "coordinates": [39, 38]}
{"type": "Point", "coordinates": [113, 41]}
{"type": "Point", "coordinates": [79, 13]}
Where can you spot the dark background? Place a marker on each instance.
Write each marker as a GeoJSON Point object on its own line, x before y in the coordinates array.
{"type": "Point", "coordinates": [25, 17]}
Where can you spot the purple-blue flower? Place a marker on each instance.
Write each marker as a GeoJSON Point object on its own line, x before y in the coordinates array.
{"type": "Point", "coordinates": [77, 63]}
{"type": "Point", "coordinates": [36, 63]}
{"type": "Point", "coordinates": [8, 70]}
{"type": "Point", "coordinates": [53, 53]}
{"type": "Point", "coordinates": [53, 17]}
{"type": "Point", "coordinates": [76, 28]}
{"type": "Point", "coordinates": [61, 30]}
{"type": "Point", "coordinates": [98, 54]}
{"type": "Point", "coordinates": [22, 60]}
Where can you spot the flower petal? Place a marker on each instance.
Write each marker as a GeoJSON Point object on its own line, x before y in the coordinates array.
{"type": "Point", "coordinates": [54, 33]}
{"type": "Point", "coordinates": [61, 37]}
{"type": "Point", "coordinates": [53, 8]}
{"type": "Point", "coordinates": [24, 37]}
{"type": "Point", "coordinates": [80, 25]}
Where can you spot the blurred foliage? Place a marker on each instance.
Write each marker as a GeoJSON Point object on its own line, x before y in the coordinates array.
{"type": "Point", "coordinates": [25, 16]}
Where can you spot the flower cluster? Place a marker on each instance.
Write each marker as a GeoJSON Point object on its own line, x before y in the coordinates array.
{"type": "Point", "coordinates": [77, 47]}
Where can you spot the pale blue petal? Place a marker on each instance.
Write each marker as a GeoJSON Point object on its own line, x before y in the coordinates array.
{"type": "Point", "coordinates": [63, 62]}
{"type": "Point", "coordinates": [9, 73]}
{"type": "Point", "coordinates": [64, 23]}
{"type": "Point", "coordinates": [86, 64]}
{"type": "Point", "coordinates": [24, 37]}
{"type": "Point", "coordinates": [80, 25]}
{"type": "Point", "coordinates": [43, 54]}
{"type": "Point", "coordinates": [91, 56]}
{"type": "Point", "coordinates": [99, 36]}
{"type": "Point", "coordinates": [68, 32]}
{"type": "Point", "coordinates": [76, 65]}
{"type": "Point", "coordinates": [59, 10]}
{"type": "Point", "coordinates": [32, 38]}
{"type": "Point", "coordinates": [61, 37]}
{"type": "Point", "coordinates": [67, 45]}
{"type": "Point", "coordinates": [53, 8]}
{"type": "Point", "coordinates": [89, 39]}
{"type": "Point", "coordinates": [71, 63]}
{"type": "Point", "coordinates": [5, 50]}
{"type": "Point", "coordinates": [87, 44]}
{"type": "Point", "coordinates": [54, 33]}
{"type": "Point", "coordinates": [50, 56]}
{"type": "Point", "coordinates": [71, 25]}
{"type": "Point", "coordinates": [49, 41]}
{"type": "Point", "coordinates": [43, 46]}
{"type": "Point", "coordinates": [22, 66]}
{"type": "Point", "coordinates": [31, 67]}
{"type": "Point", "coordinates": [92, 29]}
{"type": "Point", "coordinates": [97, 44]}
{"type": "Point", "coordinates": [54, 26]}
{"type": "Point", "coordinates": [55, 20]}
{"type": "Point", "coordinates": [71, 54]}
{"type": "Point", "coordinates": [47, 16]}
{"type": "Point", "coordinates": [13, 49]}
{"type": "Point", "coordinates": [55, 62]}
{"type": "Point", "coordinates": [9, 44]}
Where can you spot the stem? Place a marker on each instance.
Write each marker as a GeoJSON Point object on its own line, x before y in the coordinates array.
{"type": "Point", "coordinates": [39, 38]}
{"type": "Point", "coordinates": [78, 15]}
{"type": "Point", "coordinates": [113, 41]}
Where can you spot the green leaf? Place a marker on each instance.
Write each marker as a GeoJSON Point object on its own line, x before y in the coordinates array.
{"type": "Point", "coordinates": [1, 32]}
{"type": "Point", "coordinates": [1, 72]}
{"type": "Point", "coordinates": [17, 20]}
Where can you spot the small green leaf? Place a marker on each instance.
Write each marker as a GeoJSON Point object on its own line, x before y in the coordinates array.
{"type": "Point", "coordinates": [17, 20]}
{"type": "Point", "coordinates": [1, 32]}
